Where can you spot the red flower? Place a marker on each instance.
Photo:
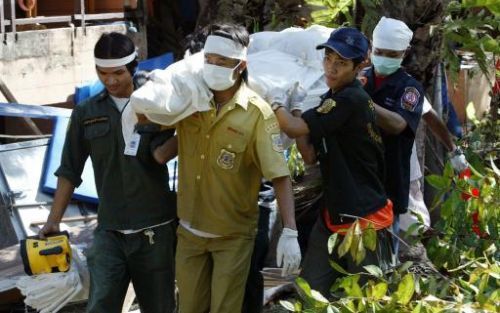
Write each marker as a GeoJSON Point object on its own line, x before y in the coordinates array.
{"type": "Point", "coordinates": [475, 225]}
{"type": "Point", "coordinates": [475, 217]}
{"type": "Point", "coordinates": [465, 174]}
{"type": "Point", "coordinates": [475, 192]}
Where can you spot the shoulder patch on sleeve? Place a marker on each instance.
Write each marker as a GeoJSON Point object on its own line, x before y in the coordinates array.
{"type": "Point", "coordinates": [272, 126]}
{"type": "Point", "coordinates": [262, 105]}
{"type": "Point", "coordinates": [410, 98]}
{"type": "Point", "coordinates": [326, 106]}
{"type": "Point", "coordinates": [277, 142]}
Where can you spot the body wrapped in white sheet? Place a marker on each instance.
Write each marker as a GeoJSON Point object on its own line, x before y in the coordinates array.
{"type": "Point", "coordinates": [174, 93]}
{"type": "Point", "coordinates": [275, 59]}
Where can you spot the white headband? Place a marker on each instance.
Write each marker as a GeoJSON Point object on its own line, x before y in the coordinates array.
{"type": "Point", "coordinates": [391, 34]}
{"type": "Point", "coordinates": [115, 62]}
{"type": "Point", "coordinates": [225, 47]}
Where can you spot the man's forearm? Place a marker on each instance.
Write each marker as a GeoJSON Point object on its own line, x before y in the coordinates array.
{"type": "Point", "coordinates": [284, 196]}
{"type": "Point", "coordinates": [439, 129]}
{"type": "Point", "coordinates": [292, 126]}
{"type": "Point", "coordinates": [306, 149]}
{"type": "Point", "coordinates": [166, 151]}
{"type": "Point", "coordinates": [62, 197]}
{"type": "Point", "coordinates": [389, 121]}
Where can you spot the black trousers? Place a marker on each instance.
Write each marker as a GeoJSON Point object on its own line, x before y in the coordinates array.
{"type": "Point", "coordinates": [318, 272]}
{"type": "Point", "coordinates": [114, 260]}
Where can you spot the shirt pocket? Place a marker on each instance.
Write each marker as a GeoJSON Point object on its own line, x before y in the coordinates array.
{"type": "Point", "coordinates": [228, 153]}
{"type": "Point", "coordinates": [191, 141]}
{"type": "Point", "coordinates": [97, 134]}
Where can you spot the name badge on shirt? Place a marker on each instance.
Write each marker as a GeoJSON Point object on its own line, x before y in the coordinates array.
{"type": "Point", "coordinates": [132, 145]}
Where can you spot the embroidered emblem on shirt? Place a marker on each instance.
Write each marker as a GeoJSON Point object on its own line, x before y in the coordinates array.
{"type": "Point", "coordinates": [272, 126]}
{"type": "Point", "coordinates": [226, 159]}
{"type": "Point", "coordinates": [326, 106]}
{"type": "Point", "coordinates": [94, 120]}
{"type": "Point", "coordinates": [277, 142]}
{"type": "Point", "coordinates": [371, 105]}
{"type": "Point", "coordinates": [410, 98]}
{"type": "Point", "coordinates": [374, 135]}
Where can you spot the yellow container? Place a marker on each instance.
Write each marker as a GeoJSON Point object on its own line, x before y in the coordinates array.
{"type": "Point", "coordinates": [50, 255]}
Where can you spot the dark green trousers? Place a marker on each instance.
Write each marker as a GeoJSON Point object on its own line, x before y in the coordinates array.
{"type": "Point", "coordinates": [318, 272]}
{"type": "Point", "coordinates": [116, 259]}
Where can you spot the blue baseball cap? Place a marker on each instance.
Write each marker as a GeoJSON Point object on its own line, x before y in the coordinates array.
{"type": "Point", "coordinates": [349, 42]}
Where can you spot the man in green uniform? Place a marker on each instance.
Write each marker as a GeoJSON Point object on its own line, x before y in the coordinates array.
{"type": "Point", "coordinates": [135, 236]}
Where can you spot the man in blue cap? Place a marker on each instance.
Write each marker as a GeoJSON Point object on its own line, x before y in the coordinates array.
{"type": "Point", "coordinates": [341, 134]}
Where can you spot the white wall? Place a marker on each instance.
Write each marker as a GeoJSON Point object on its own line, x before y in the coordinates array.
{"type": "Point", "coordinates": [44, 66]}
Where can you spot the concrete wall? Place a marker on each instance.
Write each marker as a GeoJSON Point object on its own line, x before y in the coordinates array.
{"type": "Point", "coordinates": [44, 66]}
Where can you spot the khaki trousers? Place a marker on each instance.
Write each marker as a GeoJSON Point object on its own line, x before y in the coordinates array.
{"type": "Point", "coordinates": [212, 272]}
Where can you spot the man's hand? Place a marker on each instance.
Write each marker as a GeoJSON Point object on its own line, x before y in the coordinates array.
{"type": "Point", "coordinates": [278, 95]}
{"type": "Point", "coordinates": [49, 228]}
{"type": "Point", "coordinates": [288, 252]}
{"type": "Point", "coordinates": [458, 160]}
{"type": "Point", "coordinates": [297, 96]}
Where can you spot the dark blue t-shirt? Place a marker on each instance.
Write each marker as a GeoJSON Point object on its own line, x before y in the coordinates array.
{"type": "Point", "coordinates": [350, 152]}
{"type": "Point", "coordinates": [404, 95]}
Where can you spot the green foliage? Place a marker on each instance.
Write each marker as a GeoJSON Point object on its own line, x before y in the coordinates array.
{"type": "Point", "coordinates": [295, 163]}
{"type": "Point", "coordinates": [466, 252]}
{"type": "Point", "coordinates": [331, 12]}
{"type": "Point", "coordinates": [474, 26]}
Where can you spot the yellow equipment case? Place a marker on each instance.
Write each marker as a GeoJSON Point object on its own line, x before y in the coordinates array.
{"type": "Point", "coordinates": [50, 255]}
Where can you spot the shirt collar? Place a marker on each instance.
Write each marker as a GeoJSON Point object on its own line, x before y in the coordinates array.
{"type": "Point", "coordinates": [241, 96]}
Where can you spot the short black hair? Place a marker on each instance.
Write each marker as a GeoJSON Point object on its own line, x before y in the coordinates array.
{"type": "Point", "coordinates": [115, 46]}
{"type": "Point", "coordinates": [236, 33]}
{"type": "Point", "coordinates": [231, 31]}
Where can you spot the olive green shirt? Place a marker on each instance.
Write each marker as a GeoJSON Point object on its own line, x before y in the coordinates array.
{"type": "Point", "coordinates": [222, 159]}
{"type": "Point", "coordinates": [133, 191]}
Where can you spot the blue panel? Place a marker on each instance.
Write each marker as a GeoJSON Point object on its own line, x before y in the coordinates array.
{"type": "Point", "coordinates": [159, 62]}
{"type": "Point", "coordinates": [32, 111]}
{"type": "Point", "coordinates": [87, 91]}
{"type": "Point", "coordinates": [86, 191]}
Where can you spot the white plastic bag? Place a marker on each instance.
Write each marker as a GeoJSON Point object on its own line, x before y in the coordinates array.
{"type": "Point", "coordinates": [173, 93]}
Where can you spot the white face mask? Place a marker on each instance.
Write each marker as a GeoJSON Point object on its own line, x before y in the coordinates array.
{"type": "Point", "coordinates": [218, 77]}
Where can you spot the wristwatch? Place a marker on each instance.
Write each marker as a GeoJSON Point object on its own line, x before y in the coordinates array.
{"type": "Point", "coordinates": [275, 106]}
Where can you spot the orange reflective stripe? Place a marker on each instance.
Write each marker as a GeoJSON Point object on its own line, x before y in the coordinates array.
{"type": "Point", "coordinates": [380, 219]}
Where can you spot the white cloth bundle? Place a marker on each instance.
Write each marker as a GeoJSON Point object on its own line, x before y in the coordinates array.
{"type": "Point", "coordinates": [174, 93]}
{"type": "Point", "coordinates": [274, 59]}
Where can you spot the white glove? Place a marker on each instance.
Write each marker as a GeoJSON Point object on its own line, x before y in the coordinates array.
{"type": "Point", "coordinates": [458, 160]}
{"type": "Point", "coordinates": [297, 96]}
{"type": "Point", "coordinates": [288, 251]}
{"type": "Point", "coordinates": [278, 95]}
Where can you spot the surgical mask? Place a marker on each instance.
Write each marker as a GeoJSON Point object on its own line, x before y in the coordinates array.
{"type": "Point", "coordinates": [384, 65]}
{"type": "Point", "coordinates": [218, 77]}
